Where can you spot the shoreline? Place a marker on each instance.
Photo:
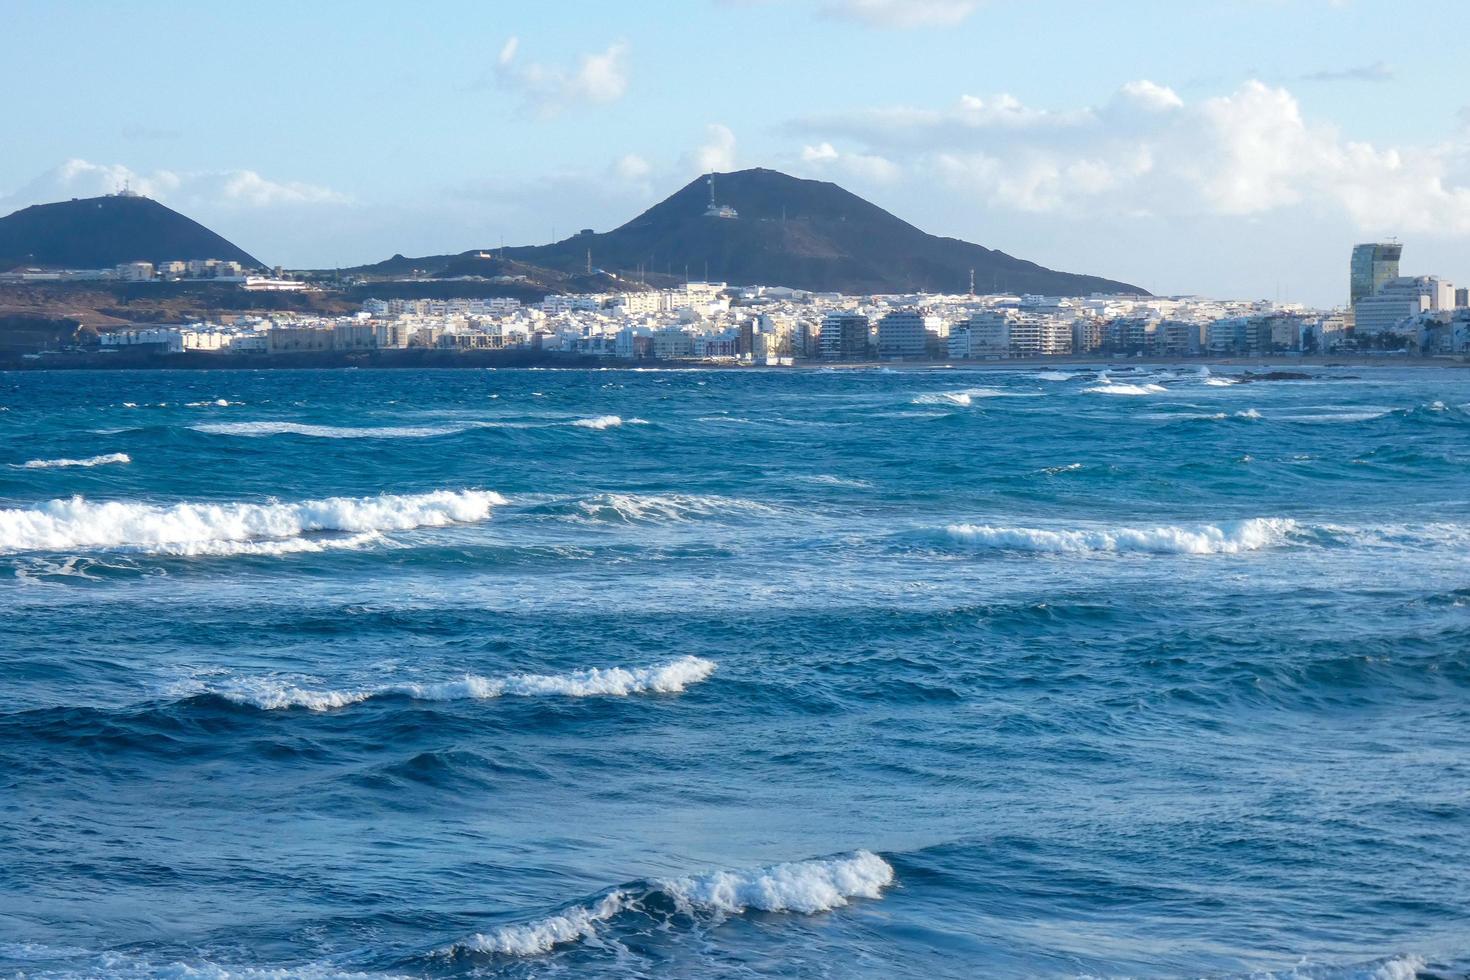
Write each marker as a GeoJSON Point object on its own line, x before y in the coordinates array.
{"type": "Point", "coordinates": [525, 359]}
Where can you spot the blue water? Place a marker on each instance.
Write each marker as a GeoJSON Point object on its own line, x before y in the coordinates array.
{"type": "Point", "coordinates": [735, 674]}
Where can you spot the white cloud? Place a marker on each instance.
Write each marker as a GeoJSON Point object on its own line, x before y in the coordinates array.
{"type": "Point", "coordinates": [1150, 95]}
{"type": "Point", "coordinates": [824, 158]}
{"type": "Point", "coordinates": [547, 90]}
{"type": "Point", "coordinates": [207, 189]}
{"type": "Point", "coordinates": [902, 13]}
{"type": "Point", "coordinates": [1147, 151]}
{"type": "Point", "coordinates": [717, 152]}
{"type": "Point", "coordinates": [632, 168]}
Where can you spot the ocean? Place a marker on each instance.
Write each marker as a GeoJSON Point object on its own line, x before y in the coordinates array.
{"type": "Point", "coordinates": [717, 674]}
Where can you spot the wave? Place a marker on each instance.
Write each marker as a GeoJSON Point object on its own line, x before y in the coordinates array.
{"type": "Point", "coordinates": [1220, 382]}
{"type": "Point", "coordinates": [829, 480]}
{"type": "Point", "coordinates": [967, 396]}
{"type": "Point", "coordinates": [216, 403]}
{"type": "Point", "coordinates": [805, 887]}
{"type": "Point", "coordinates": [47, 464]}
{"type": "Point", "coordinates": [233, 528]}
{"type": "Point", "coordinates": [1406, 967]}
{"type": "Point", "coordinates": [58, 962]}
{"type": "Point", "coordinates": [1054, 376]}
{"type": "Point", "coordinates": [606, 422]}
{"type": "Point", "coordinates": [1231, 537]}
{"type": "Point", "coordinates": [281, 693]}
{"type": "Point", "coordinates": [1105, 386]}
{"type": "Point", "coordinates": [261, 429]}
{"type": "Point", "coordinates": [671, 508]}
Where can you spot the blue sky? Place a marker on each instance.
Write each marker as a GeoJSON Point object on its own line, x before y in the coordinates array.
{"type": "Point", "coordinates": [1233, 148]}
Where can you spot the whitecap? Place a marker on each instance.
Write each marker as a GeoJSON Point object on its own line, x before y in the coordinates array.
{"type": "Point", "coordinates": [1106, 387]}
{"type": "Point", "coordinates": [670, 508]}
{"type": "Point", "coordinates": [201, 528]}
{"type": "Point", "coordinates": [1406, 967]}
{"type": "Point", "coordinates": [1230, 537]}
{"type": "Point", "coordinates": [804, 887]}
{"type": "Point", "coordinates": [47, 464]}
{"type": "Point", "coordinates": [216, 403]}
{"type": "Point", "coordinates": [967, 396]}
{"type": "Point", "coordinates": [829, 480]}
{"type": "Point", "coordinates": [606, 422]}
{"type": "Point", "coordinates": [277, 692]}
{"type": "Point", "coordinates": [260, 429]}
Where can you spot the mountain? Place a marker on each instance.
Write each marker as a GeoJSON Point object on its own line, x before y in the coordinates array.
{"type": "Point", "coordinates": [807, 234]}
{"type": "Point", "coordinates": [98, 232]}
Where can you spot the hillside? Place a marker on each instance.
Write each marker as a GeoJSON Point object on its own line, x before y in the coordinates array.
{"type": "Point", "coordinates": [99, 232]}
{"type": "Point", "coordinates": [806, 234]}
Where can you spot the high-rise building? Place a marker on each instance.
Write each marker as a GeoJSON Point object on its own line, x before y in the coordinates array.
{"type": "Point", "coordinates": [844, 337]}
{"type": "Point", "coordinates": [1400, 299]}
{"type": "Point", "coordinates": [1373, 265]}
{"type": "Point", "coordinates": [909, 333]}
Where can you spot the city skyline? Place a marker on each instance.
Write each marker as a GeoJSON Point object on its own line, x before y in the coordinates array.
{"type": "Point", "coordinates": [1244, 171]}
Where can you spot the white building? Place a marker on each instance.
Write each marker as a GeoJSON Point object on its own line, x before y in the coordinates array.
{"type": "Point", "coordinates": [909, 334]}
{"type": "Point", "coordinates": [1399, 300]}
{"type": "Point", "coordinates": [135, 271]}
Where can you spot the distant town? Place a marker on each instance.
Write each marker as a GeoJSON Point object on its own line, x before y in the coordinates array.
{"type": "Point", "coordinates": [501, 307]}
{"type": "Point", "coordinates": [777, 326]}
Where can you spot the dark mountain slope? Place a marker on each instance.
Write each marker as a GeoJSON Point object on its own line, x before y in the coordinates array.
{"type": "Point", "coordinates": [98, 232]}
{"type": "Point", "coordinates": [803, 233]}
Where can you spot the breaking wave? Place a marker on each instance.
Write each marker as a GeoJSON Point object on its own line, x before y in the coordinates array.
{"type": "Point", "coordinates": [103, 460]}
{"type": "Point", "coordinates": [215, 403]}
{"type": "Point", "coordinates": [606, 422]}
{"type": "Point", "coordinates": [280, 693]}
{"type": "Point", "coordinates": [1107, 386]}
{"type": "Point", "coordinates": [668, 508]}
{"type": "Point", "coordinates": [233, 528]}
{"type": "Point", "coordinates": [1228, 538]}
{"type": "Point", "coordinates": [260, 429]}
{"type": "Point", "coordinates": [967, 396]}
{"type": "Point", "coordinates": [1406, 967]}
{"type": "Point", "coordinates": [805, 887]}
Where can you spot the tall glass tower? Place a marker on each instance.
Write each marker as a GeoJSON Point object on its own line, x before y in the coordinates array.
{"type": "Point", "coordinates": [1373, 265]}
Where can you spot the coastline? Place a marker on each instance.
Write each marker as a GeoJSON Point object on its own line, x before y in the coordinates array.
{"type": "Point", "coordinates": [423, 358]}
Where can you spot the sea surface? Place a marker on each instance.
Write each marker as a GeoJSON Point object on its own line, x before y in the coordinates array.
{"type": "Point", "coordinates": [722, 674]}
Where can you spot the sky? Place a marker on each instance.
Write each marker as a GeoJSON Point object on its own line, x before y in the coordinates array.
{"type": "Point", "coordinates": [1231, 148]}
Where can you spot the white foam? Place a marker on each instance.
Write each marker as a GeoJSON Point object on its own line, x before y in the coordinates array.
{"type": "Point", "coordinates": [103, 460]}
{"type": "Point", "coordinates": [261, 429]}
{"type": "Point", "coordinates": [806, 887]}
{"type": "Point", "coordinates": [670, 508]}
{"type": "Point", "coordinates": [232, 528]}
{"type": "Point", "coordinates": [1202, 539]}
{"type": "Point", "coordinates": [1109, 387]}
{"type": "Point", "coordinates": [541, 936]}
{"type": "Point", "coordinates": [1219, 382]}
{"type": "Point", "coordinates": [801, 886]}
{"type": "Point", "coordinates": [606, 422]}
{"type": "Point", "coordinates": [829, 480]}
{"type": "Point", "coordinates": [216, 403]}
{"type": "Point", "coordinates": [967, 396]}
{"type": "Point", "coordinates": [1406, 967]}
{"type": "Point", "coordinates": [279, 693]}
{"type": "Point", "coordinates": [1249, 413]}
{"type": "Point", "coordinates": [1053, 376]}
